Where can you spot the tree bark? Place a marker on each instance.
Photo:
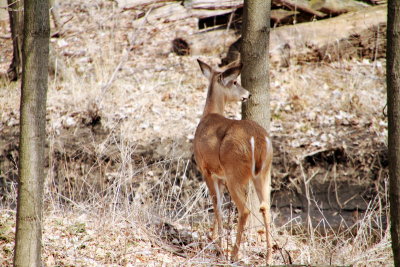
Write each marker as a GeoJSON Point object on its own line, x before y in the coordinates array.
{"type": "Point", "coordinates": [393, 102]}
{"type": "Point", "coordinates": [255, 78]}
{"type": "Point", "coordinates": [35, 53]}
{"type": "Point", "coordinates": [15, 11]}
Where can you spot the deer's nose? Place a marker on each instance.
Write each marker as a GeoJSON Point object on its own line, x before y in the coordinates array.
{"type": "Point", "coordinates": [245, 96]}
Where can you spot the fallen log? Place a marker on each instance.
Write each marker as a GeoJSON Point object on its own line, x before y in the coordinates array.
{"type": "Point", "coordinates": [354, 34]}
{"type": "Point", "coordinates": [168, 12]}
{"type": "Point", "coordinates": [322, 8]}
{"type": "Point", "coordinates": [212, 4]}
{"type": "Point", "coordinates": [335, 8]}
{"type": "Point", "coordinates": [204, 43]}
{"type": "Point", "coordinates": [332, 39]}
{"type": "Point", "coordinates": [212, 8]}
{"type": "Point", "coordinates": [139, 4]}
{"type": "Point", "coordinates": [279, 16]}
{"type": "Point", "coordinates": [300, 5]}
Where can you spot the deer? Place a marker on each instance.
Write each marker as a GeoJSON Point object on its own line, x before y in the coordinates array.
{"type": "Point", "coordinates": [230, 153]}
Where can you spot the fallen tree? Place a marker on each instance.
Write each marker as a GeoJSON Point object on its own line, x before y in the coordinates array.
{"type": "Point", "coordinates": [354, 34]}
{"type": "Point", "coordinates": [357, 34]}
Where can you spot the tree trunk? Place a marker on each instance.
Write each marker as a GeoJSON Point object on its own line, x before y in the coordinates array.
{"type": "Point", "coordinates": [35, 53]}
{"type": "Point", "coordinates": [255, 78]}
{"type": "Point", "coordinates": [393, 102]}
{"type": "Point", "coordinates": [15, 11]}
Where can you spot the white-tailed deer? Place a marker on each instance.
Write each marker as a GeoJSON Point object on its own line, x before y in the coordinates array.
{"type": "Point", "coordinates": [232, 152]}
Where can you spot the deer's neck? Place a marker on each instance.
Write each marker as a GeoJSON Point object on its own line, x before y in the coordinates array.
{"type": "Point", "coordinates": [215, 102]}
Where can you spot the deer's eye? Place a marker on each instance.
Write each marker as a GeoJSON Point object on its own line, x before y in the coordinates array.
{"type": "Point", "coordinates": [235, 82]}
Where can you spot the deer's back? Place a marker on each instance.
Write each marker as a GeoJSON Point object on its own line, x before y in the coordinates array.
{"type": "Point", "coordinates": [221, 143]}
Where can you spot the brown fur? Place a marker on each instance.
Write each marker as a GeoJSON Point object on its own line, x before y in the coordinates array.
{"type": "Point", "coordinates": [223, 153]}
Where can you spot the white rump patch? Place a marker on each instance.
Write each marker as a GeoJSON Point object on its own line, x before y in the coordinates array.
{"type": "Point", "coordinates": [253, 160]}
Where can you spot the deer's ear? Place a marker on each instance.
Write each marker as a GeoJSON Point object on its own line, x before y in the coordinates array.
{"type": "Point", "coordinates": [231, 74]}
{"type": "Point", "coordinates": [205, 69]}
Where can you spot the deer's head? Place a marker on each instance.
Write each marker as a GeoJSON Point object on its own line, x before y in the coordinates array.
{"type": "Point", "coordinates": [225, 83]}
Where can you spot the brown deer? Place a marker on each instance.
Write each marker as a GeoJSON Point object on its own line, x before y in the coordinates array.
{"type": "Point", "coordinates": [232, 152]}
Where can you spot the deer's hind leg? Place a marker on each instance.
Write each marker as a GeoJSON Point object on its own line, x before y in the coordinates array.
{"type": "Point", "coordinates": [214, 189]}
{"type": "Point", "coordinates": [238, 193]}
{"type": "Point", "coordinates": [262, 184]}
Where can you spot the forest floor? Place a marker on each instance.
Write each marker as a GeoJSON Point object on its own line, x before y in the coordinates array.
{"type": "Point", "coordinates": [122, 188]}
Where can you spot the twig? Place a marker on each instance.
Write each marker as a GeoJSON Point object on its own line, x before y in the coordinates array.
{"type": "Point", "coordinates": [171, 250]}
{"type": "Point", "coordinates": [312, 153]}
{"type": "Point", "coordinates": [105, 87]}
{"type": "Point", "coordinates": [336, 189]}
{"type": "Point", "coordinates": [59, 32]}
{"type": "Point", "coordinates": [8, 5]}
{"type": "Point", "coordinates": [307, 190]}
{"type": "Point", "coordinates": [123, 60]}
{"type": "Point", "coordinates": [198, 253]}
{"type": "Point", "coordinates": [383, 111]}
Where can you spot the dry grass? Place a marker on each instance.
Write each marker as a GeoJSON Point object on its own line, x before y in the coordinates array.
{"type": "Point", "coordinates": [127, 194]}
{"type": "Point", "coordinates": [157, 227]}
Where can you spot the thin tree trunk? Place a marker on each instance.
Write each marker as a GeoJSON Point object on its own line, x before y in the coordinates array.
{"type": "Point", "coordinates": [393, 101]}
{"type": "Point", "coordinates": [15, 11]}
{"type": "Point", "coordinates": [255, 73]}
{"type": "Point", "coordinates": [255, 78]}
{"type": "Point", "coordinates": [35, 53]}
